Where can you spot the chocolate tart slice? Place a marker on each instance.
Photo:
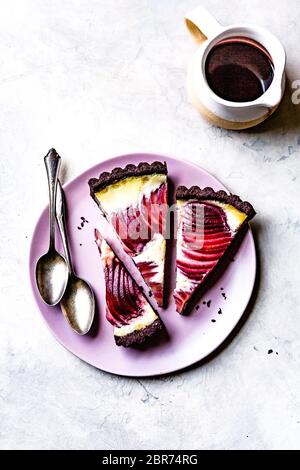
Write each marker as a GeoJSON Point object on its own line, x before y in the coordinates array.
{"type": "Point", "coordinates": [134, 200]}
{"type": "Point", "coordinates": [127, 309]}
{"type": "Point", "coordinates": [208, 222]}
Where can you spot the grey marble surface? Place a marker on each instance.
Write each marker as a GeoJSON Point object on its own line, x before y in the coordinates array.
{"type": "Point", "coordinates": [97, 78]}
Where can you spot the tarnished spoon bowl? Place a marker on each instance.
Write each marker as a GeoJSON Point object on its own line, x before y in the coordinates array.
{"type": "Point", "coordinates": [78, 304]}
{"type": "Point", "coordinates": [51, 277]}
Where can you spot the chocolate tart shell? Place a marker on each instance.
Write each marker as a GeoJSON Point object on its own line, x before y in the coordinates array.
{"type": "Point", "coordinates": [139, 336]}
{"type": "Point", "coordinates": [208, 193]}
{"type": "Point", "coordinates": [118, 174]}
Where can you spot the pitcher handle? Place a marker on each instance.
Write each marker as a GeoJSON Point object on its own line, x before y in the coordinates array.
{"type": "Point", "coordinates": [201, 24]}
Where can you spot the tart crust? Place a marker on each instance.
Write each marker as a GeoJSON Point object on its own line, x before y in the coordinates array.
{"type": "Point", "coordinates": [139, 336]}
{"type": "Point", "coordinates": [117, 174]}
{"type": "Point", "coordinates": [209, 194]}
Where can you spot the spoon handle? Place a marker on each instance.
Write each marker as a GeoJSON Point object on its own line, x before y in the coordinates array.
{"type": "Point", "coordinates": [52, 164]}
{"type": "Point", "coordinates": [60, 217]}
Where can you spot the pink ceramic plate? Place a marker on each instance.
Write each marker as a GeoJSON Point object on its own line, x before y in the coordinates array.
{"type": "Point", "coordinates": [190, 338]}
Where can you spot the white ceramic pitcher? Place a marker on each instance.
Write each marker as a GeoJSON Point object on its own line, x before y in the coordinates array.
{"type": "Point", "coordinates": [207, 32]}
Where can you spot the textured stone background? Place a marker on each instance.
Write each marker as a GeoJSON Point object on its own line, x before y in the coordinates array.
{"type": "Point", "coordinates": [96, 78]}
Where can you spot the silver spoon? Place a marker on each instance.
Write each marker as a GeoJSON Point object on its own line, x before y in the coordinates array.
{"type": "Point", "coordinates": [78, 302]}
{"type": "Point", "coordinates": [51, 270]}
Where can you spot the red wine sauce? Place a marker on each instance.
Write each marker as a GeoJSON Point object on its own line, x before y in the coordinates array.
{"type": "Point", "coordinates": [239, 69]}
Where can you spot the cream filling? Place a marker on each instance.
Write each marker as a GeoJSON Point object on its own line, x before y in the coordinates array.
{"type": "Point", "coordinates": [144, 320]}
{"type": "Point", "coordinates": [182, 282]}
{"type": "Point", "coordinates": [107, 255]}
{"type": "Point", "coordinates": [128, 192]}
{"type": "Point", "coordinates": [154, 251]}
